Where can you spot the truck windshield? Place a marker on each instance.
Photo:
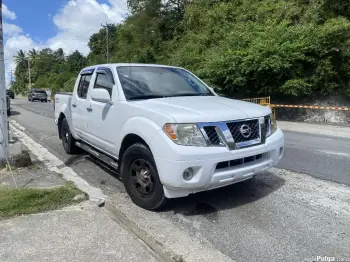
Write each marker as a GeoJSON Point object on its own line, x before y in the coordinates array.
{"type": "Point", "coordinates": [147, 82]}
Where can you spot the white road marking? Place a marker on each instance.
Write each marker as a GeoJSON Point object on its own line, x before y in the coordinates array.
{"type": "Point", "coordinates": [54, 164]}
{"type": "Point", "coordinates": [335, 153]}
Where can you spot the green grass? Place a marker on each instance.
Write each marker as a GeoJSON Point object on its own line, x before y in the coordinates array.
{"type": "Point", "coordinates": [15, 202]}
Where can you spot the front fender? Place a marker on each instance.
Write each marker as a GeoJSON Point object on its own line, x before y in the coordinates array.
{"type": "Point", "coordinates": [141, 126]}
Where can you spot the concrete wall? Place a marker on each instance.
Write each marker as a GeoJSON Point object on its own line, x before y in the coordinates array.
{"type": "Point", "coordinates": [313, 115]}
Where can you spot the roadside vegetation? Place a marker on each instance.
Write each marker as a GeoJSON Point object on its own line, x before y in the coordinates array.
{"type": "Point", "coordinates": [296, 48]}
{"type": "Point", "coordinates": [22, 201]}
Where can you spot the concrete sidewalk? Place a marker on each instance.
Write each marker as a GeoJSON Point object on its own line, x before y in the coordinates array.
{"type": "Point", "coordinates": [329, 130]}
{"type": "Point", "coordinates": [76, 233]}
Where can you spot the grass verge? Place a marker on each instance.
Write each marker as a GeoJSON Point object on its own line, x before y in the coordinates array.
{"type": "Point", "coordinates": [22, 201]}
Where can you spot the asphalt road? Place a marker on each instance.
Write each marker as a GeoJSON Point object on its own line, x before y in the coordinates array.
{"type": "Point", "coordinates": [278, 216]}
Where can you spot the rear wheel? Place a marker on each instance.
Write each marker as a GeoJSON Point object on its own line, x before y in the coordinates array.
{"type": "Point", "coordinates": [68, 140]}
{"type": "Point", "coordinates": [141, 179]}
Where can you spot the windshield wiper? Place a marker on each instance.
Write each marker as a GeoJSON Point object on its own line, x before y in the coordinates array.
{"type": "Point", "coordinates": [164, 96]}
{"type": "Point", "coordinates": [145, 97]}
{"type": "Point", "coordinates": [190, 94]}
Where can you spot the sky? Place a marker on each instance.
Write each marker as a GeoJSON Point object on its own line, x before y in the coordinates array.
{"type": "Point", "coordinates": [66, 24]}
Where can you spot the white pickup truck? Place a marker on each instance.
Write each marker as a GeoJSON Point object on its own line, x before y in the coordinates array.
{"type": "Point", "coordinates": [165, 130]}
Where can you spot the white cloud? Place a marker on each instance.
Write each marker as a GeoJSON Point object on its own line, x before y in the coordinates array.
{"type": "Point", "coordinates": [75, 22]}
{"type": "Point", "coordinates": [11, 29]}
{"type": "Point", "coordinates": [8, 13]}
{"type": "Point", "coordinates": [12, 46]}
{"type": "Point", "coordinates": [79, 19]}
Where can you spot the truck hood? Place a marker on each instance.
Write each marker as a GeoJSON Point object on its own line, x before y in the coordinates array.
{"type": "Point", "coordinates": [196, 109]}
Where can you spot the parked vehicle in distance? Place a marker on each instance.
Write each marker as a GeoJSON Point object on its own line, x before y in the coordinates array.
{"type": "Point", "coordinates": [37, 94]}
{"type": "Point", "coordinates": [10, 93]}
{"type": "Point", "coordinates": [8, 105]}
{"type": "Point", "coordinates": [166, 131]}
{"type": "Point", "coordinates": [48, 95]}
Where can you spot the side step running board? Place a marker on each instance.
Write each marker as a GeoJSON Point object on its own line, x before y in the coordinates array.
{"type": "Point", "coordinates": [104, 158]}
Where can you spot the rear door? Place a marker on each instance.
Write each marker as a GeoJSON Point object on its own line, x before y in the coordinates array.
{"type": "Point", "coordinates": [80, 103]}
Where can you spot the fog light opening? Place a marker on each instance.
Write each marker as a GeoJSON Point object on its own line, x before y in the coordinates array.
{"type": "Point", "coordinates": [188, 174]}
{"type": "Point", "coordinates": [281, 150]}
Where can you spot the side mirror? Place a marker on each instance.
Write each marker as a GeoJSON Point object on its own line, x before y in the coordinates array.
{"type": "Point", "coordinates": [100, 95]}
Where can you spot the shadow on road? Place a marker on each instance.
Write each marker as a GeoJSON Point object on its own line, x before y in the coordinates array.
{"type": "Point", "coordinates": [208, 203]}
{"type": "Point", "coordinates": [15, 113]}
{"type": "Point", "coordinates": [87, 157]}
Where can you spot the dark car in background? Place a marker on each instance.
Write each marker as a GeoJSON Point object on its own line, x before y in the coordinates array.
{"type": "Point", "coordinates": [10, 93]}
{"type": "Point", "coordinates": [37, 94]}
{"type": "Point", "coordinates": [8, 105]}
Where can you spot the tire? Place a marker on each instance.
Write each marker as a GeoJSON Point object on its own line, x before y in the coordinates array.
{"type": "Point", "coordinates": [41, 101]}
{"type": "Point", "coordinates": [68, 140]}
{"type": "Point", "coordinates": [8, 112]}
{"type": "Point", "coordinates": [139, 157]}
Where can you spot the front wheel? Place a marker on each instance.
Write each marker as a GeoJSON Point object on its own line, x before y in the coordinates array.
{"type": "Point", "coordinates": [8, 112]}
{"type": "Point", "coordinates": [141, 179]}
{"type": "Point", "coordinates": [68, 140]}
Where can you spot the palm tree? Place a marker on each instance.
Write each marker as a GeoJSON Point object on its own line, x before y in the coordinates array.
{"type": "Point", "coordinates": [33, 54]}
{"type": "Point", "coordinates": [21, 71]}
{"type": "Point", "coordinates": [20, 57]}
{"type": "Point", "coordinates": [59, 55]}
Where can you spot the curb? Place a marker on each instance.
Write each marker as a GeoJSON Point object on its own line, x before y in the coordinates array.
{"type": "Point", "coordinates": [141, 234]}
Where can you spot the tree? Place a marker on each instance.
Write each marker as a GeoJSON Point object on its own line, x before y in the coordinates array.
{"type": "Point", "coordinates": [293, 48]}
{"type": "Point", "coordinates": [76, 62]}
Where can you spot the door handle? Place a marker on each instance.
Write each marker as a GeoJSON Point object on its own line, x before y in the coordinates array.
{"type": "Point", "coordinates": [74, 105]}
{"type": "Point", "coordinates": [89, 109]}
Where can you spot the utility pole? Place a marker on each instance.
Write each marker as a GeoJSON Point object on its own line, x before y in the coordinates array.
{"type": "Point", "coordinates": [4, 150]}
{"type": "Point", "coordinates": [29, 75]}
{"type": "Point", "coordinates": [11, 79]}
{"type": "Point", "coordinates": [107, 40]}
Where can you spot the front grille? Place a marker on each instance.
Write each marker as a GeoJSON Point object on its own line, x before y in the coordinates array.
{"type": "Point", "coordinates": [241, 161]}
{"type": "Point", "coordinates": [212, 135]}
{"type": "Point", "coordinates": [251, 130]}
{"type": "Point", "coordinates": [267, 125]}
{"type": "Point", "coordinates": [234, 134]}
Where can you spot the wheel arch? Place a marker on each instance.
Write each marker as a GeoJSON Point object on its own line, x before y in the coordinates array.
{"type": "Point", "coordinates": [128, 141]}
{"type": "Point", "coordinates": [59, 124]}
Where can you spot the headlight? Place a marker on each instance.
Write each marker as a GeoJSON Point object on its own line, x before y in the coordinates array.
{"type": "Point", "coordinates": [272, 124]}
{"type": "Point", "coordinates": [185, 134]}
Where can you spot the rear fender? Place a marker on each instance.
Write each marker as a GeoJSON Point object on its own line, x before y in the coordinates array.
{"type": "Point", "coordinates": [65, 112]}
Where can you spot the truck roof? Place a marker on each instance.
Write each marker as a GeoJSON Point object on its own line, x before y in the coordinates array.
{"type": "Point", "coordinates": [127, 64]}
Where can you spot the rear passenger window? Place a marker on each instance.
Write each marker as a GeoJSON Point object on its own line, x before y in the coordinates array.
{"type": "Point", "coordinates": [83, 86]}
{"type": "Point", "coordinates": [103, 81]}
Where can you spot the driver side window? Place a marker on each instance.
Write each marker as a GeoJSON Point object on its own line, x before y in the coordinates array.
{"type": "Point", "coordinates": [103, 81]}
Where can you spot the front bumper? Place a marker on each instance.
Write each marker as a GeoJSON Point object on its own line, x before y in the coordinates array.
{"type": "Point", "coordinates": [215, 167]}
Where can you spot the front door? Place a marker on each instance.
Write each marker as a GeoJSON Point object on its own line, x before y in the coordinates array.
{"type": "Point", "coordinates": [101, 116]}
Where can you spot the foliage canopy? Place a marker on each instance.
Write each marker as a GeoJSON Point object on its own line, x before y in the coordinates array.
{"type": "Point", "coordinates": [243, 47]}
